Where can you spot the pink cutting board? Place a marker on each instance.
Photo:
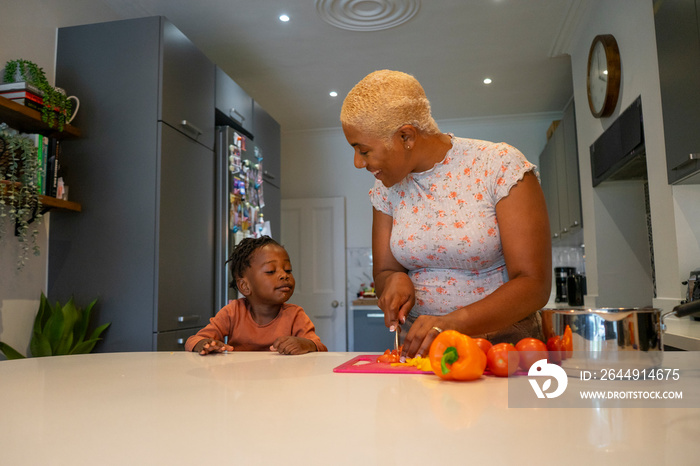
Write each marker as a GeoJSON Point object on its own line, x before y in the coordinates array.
{"type": "Point", "coordinates": [366, 364]}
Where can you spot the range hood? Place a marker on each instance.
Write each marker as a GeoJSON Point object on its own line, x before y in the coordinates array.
{"type": "Point", "coordinates": [619, 153]}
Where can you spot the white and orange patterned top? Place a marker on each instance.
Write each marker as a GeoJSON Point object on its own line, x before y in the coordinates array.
{"type": "Point", "coordinates": [445, 231]}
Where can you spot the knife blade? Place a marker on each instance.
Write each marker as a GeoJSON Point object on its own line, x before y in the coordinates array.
{"type": "Point", "coordinates": [397, 330]}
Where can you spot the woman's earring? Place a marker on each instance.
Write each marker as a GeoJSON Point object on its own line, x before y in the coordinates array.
{"type": "Point", "coordinates": [408, 147]}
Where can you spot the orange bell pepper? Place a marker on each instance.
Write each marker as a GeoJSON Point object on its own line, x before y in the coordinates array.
{"type": "Point", "coordinates": [454, 356]}
{"type": "Point", "coordinates": [567, 343]}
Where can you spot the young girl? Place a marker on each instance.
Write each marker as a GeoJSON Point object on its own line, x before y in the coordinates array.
{"type": "Point", "coordinates": [261, 320]}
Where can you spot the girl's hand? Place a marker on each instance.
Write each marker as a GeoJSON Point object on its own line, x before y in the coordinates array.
{"type": "Point", "coordinates": [421, 335]}
{"type": "Point", "coordinates": [293, 345]}
{"type": "Point", "coordinates": [209, 345]}
{"type": "Point", "coordinates": [397, 299]}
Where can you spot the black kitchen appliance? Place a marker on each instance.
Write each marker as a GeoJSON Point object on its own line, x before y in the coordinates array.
{"type": "Point", "coordinates": [561, 280]}
{"type": "Point", "coordinates": [619, 153]}
{"type": "Point", "coordinates": [693, 290]}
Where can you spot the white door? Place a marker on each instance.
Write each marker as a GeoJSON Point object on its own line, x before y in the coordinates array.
{"type": "Point", "coordinates": [313, 233]}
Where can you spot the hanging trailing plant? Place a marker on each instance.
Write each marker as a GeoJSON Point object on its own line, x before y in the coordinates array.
{"type": "Point", "coordinates": [57, 107]}
{"type": "Point", "coordinates": [20, 204]}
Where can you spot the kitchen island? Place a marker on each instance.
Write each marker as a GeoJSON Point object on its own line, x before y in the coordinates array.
{"type": "Point", "coordinates": [264, 408]}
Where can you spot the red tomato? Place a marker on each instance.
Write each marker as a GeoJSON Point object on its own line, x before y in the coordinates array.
{"type": "Point", "coordinates": [531, 350]}
{"type": "Point", "coordinates": [502, 359]}
{"type": "Point", "coordinates": [484, 344]}
{"type": "Point", "coordinates": [555, 349]}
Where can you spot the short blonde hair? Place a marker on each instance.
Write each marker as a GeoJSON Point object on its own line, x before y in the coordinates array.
{"type": "Point", "coordinates": [384, 101]}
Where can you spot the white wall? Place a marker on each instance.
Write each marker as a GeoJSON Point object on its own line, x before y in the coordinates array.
{"type": "Point", "coordinates": [320, 163]}
{"type": "Point", "coordinates": [614, 255]}
{"type": "Point", "coordinates": [28, 31]}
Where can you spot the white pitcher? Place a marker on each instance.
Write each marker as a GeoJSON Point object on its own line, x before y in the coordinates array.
{"type": "Point", "coordinates": [76, 107]}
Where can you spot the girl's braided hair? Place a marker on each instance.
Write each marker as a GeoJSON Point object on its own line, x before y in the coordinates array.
{"type": "Point", "coordinates": [241, 254]}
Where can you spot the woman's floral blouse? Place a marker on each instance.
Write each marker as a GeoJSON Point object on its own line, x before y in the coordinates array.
{"type": "Point", "coordinates": [445, 230]}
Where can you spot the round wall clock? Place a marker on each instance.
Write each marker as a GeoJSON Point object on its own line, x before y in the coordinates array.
{"type": "Point", "coordinates": [603, 80]}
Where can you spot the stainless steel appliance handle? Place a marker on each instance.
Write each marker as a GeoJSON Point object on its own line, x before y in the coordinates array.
{"type": "Point", "coordinates": [233, 112]}
{"type": "Point", "coordinates": [186, 319]}
{"type": "Point", "coordinates": [189, 125]}
{"type": "Point", "coordinates": [691, 157]}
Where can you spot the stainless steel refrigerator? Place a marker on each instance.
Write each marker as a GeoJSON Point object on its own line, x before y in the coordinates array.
{"type": "Point", "coordinates": [240, 200]}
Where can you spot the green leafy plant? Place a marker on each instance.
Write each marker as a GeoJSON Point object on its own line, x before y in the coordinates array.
{"type": "Point", "coordinates": [20, 204]}
{"type": "Point", "coordinates": [59, 330]}
{"type": "Point", "coordinates": [57, 107]}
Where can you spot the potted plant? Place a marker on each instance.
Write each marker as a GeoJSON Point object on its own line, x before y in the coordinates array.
{"type": "Point", "coordinates": [59, 330]}
{"type": "Point", "coordinates": [20, 204]}
{"type": "Point", "coordinates": [57, 107]}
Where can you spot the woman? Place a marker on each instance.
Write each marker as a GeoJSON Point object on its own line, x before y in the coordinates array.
{"type": "Point", "coordinates": [460, 233]}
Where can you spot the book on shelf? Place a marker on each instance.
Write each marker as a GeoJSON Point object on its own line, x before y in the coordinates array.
{"type": "Point", "coordinates": [29, 103]}
{"type": "Point", "coordinates": [41, 143]}
{"type": "Point", "coordinates": [52, 167]}
{"type": "Point", "coordinates": [20, 86]}
{"type": "Point", "coordinates": [22, 95]}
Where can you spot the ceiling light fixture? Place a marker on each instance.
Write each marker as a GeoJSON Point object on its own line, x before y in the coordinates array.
{"type": "Point", "coordinates": [487, 81]}
{"type": "Point", "coordinates": [333, 94]}
{"type": "Point", "coordinates": [367, 15]}
{"type": "Point", "coordinates": [284, 18]}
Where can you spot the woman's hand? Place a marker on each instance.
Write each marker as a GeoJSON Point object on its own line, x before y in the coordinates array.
{"type": "Point", "coordinates": [397, 299]}
{"type": "Point", "coordinates": [421, 335]}
{"type": "Point", "coordinates": [293, 345]}
{"type": "Point", "coordinates": [209, 345]}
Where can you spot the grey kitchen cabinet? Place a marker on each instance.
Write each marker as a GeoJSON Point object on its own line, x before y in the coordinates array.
{"type": "Point", "coordinates": [572, 218]}
{"type": "Point", "coordinates": [678, 49]}
{"type": "Point", "coordinates": [548, 177]}
{"type": "Point", "coordinates": [267, 138]}
{"type": "Point", "coordinates": [144, 173]}
{"type": "Point", "coordinates": [560, 178]}
{"type": "Point", "coordinates": [233, 102]}
{"type": "Point", "coordinates": [273, 209]}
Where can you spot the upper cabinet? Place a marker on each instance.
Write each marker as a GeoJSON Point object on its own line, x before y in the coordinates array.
{"type": "Point", "coordinates": [678, 47]}
{"type": "Point", "coordinates": [560, 179]}
{"type": "Point", "coordinates": [188, 81]}
{"type": "Point", "coordinates": [233, 103]}
{"type": "Point", "coordinates": [267, 138]}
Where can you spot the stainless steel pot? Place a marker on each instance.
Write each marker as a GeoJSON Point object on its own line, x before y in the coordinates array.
{"type": "Point", "coordinates": [603, 336]}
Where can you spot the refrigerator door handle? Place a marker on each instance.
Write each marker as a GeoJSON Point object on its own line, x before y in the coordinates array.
{"type": "Point", "coordinates": [188, 319]}
{"type": "Point", "coordinates": [189, 125]}
{"type": "Point", "coordinates": [233, 112]}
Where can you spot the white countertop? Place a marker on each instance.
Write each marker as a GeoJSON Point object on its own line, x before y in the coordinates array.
{"type": "Point", "coordinates": [263, 408]}
{"type": "Point", "coordinates": [682, 333]}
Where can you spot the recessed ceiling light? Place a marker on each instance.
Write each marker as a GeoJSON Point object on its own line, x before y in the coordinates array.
{"type": "Point", "coordinates": [487, 81]}
{"type": "Point", "coordinates": [333, 94]}
{"type": "Point", "coordinates": [284, 18]}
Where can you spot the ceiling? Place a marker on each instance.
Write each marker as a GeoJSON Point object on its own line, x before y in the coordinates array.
{"type": "Point", "coordinates": [449, 45]}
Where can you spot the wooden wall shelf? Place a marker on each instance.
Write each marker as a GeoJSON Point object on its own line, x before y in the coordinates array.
{"type": "Point", "coordinates": [49, 202]}
{"type": "Point", "coordinates": [28, 120]}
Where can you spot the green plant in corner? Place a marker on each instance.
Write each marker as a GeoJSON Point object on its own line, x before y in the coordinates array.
{"type": "Point", "coordinates": [59, 330]}
{"type": "Point", "coordinates": [57, 107]}
{"type": "Point", "coordinates": [20, 204]}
